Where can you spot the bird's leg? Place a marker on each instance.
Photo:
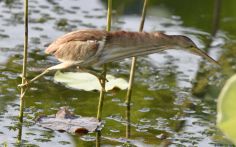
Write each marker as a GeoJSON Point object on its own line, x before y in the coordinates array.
{"type": "Point", "coordinates": [63, 65]}
{"type": "Point", "coordinates": [103, 79]}
{"type": "Point", "coordinates": [100, 77]}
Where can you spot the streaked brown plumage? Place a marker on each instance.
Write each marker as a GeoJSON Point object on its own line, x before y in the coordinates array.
{"type": "Point", "coordinates": [95, 47]}
{"type": "Point", "coordinates": [87, 48]}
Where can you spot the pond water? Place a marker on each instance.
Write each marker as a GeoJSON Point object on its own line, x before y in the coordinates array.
{"type": "Point", "coordinates": [175, 93]}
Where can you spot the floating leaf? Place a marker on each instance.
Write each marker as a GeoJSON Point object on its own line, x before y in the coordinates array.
{"type": "Point", "coordinates": [226, 115]}
{"type": "Point", "coordinates": [66, 121]}
{"type": "Point", "coordinates": [88, 82]}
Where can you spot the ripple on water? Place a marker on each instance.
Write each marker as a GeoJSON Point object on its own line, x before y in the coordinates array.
{"type": "Point", "coordinates": [161, 124]}
{"type": "Point", "coordinates": [75, 7]}
{"type": "Point", "coordinates": [3, 79]}
{"type": "Point", "coordinates": [114, 130]}
{"type": "Point", "coordinates": [10, 75]}
{"type": "Point", "coordinates": [70, 11]}
{"type": "Point", "coordinates": [148, 98]}
{"type": "Point", "coordinates": [88, 138]}
{"type": "Point", "coordinates": [116, 117]}
{"type": "Point", "coordinates": [116, 100]}
{"type": "Point", "coordinates": [44, 6]}
{"type": "Point", "coordinates": [64, 142]}
{"type": "Point", "coordinates": [144, 110]}
{"type": "Point", "coordinates": [37, 28]}
{"type": "Point", "coordinates": [124, 104]}
{"type": "Point", "coordinates": [140, 129]}
{"type": "Point", "coordinates": [145, 120]}
{"type": "Point", "coordinates": [154, 87]}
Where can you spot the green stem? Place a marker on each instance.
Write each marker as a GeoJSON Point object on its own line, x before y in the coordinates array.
{"type": "Point", "coordinates": [23, 90]}
{"type": "Point", "coordinates": [103, 80]}
{"type": "Point", "coordinates": [109, 12]}
{"type": "Point", "coordinates": [98, 139]}
{"type": "Point", "coordinates": [132, 74]}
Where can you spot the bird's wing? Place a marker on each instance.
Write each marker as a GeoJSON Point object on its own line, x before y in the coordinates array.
{"type": "Point", "coordinates": [76, 51]}
{"type": "Point", "coordinates": [121, 44]}
{"type": "Point", "coordinates": [80, 35]}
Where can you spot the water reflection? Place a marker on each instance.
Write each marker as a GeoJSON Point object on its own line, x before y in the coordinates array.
{"type": "Point", "coordinates": [216, 17]}
{"type": "Point", "coordinates": [215, 27]}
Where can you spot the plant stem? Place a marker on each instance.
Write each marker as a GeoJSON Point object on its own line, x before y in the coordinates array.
{"type": "Point", "coordinates": [103, 80]}
{"type": "Point", "coordinates": [132, 74]}
{"type": "Point", "coordinates": [98, 139]}
{"type": "Point", "coordinates": [109, 12]}
{"type": "Point", "coordinates": [23, 90]}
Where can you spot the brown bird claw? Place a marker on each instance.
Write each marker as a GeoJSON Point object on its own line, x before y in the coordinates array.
{"type": "Point", "coordinates": [24, 85]}
{"type": "Point", "coordinates": [102, 78]}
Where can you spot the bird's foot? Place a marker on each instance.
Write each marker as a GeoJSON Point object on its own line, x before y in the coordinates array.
{"type": "Point", "coordinates": [25, 84]}
{"type": "Point", "coordinates": [102, 79]}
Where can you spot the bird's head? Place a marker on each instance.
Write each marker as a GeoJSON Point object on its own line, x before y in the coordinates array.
{"type": "Point", "coordinates": [183, 41]}
{"type": "Point", "coordinates": [188, 45]}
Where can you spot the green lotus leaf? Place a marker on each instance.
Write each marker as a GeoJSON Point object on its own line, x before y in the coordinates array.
{"type": "Point", "coordinates": [88, 82]}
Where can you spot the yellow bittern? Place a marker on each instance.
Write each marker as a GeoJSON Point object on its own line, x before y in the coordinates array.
{"type": "Point", "coordinates": [88, 48]}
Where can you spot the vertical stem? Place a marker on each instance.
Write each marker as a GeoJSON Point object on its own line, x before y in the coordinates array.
{"type": "Point", "coordinates": [103, 80]}
{"type": "Point", "coordinates": [132, 73]}
{"type": "Point", "coordinates": [23, 90]}
{"type": "Point", "coordinates": [109, 12]}
{"type": "Point", "coordinates": [98, 138]}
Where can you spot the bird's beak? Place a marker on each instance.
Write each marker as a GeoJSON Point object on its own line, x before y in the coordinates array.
{"type": "Point", "coordinates": [201, 53]}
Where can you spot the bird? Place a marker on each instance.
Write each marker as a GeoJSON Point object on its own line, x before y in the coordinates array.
{"type": "Point", "coordinates": [85, 49]}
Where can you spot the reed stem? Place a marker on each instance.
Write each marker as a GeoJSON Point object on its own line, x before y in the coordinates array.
{"type": "Point", "coordinates": [98, 138]}
{"type": "Point", "coordinates": [103, 80]}
{"type": "Point", "coordinates": [132, 73]}
{"type": "Point", "coordinates": [24, 68]}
